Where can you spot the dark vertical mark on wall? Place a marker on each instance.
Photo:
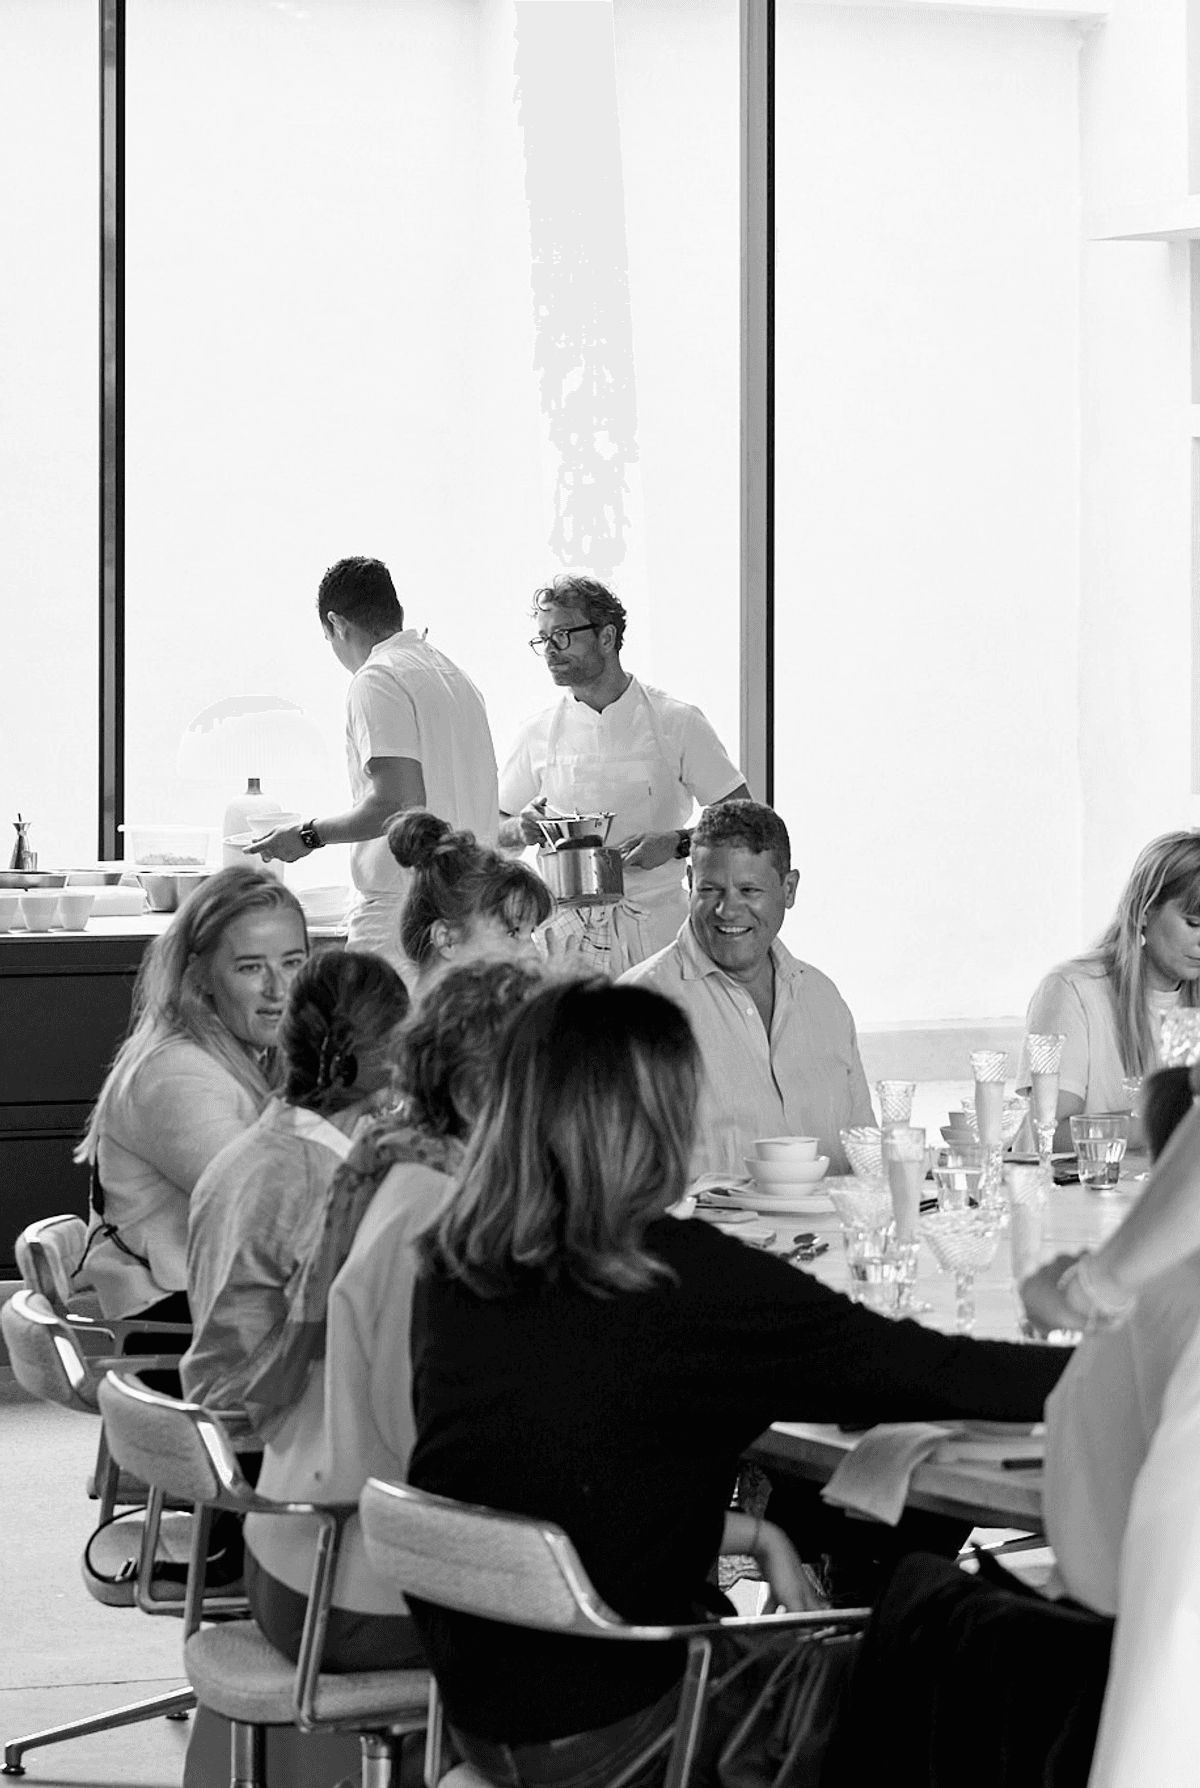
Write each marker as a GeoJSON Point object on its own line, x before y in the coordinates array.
{"type": "Point", "coordinates": [112, 427]}
{"type": "Point", "coordinates": [567, 105]}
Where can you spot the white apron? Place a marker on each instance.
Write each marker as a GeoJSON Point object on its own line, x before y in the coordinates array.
{"type": "Point", "coordinates": [640, 786]}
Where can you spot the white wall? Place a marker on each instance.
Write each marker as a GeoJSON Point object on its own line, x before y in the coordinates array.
{"type": "Point", "coordinates": [49, 394]}
{"type": "Point", "coordinates": [1135, 654]}
{"type": "Point", "coordinates": [927, 502]}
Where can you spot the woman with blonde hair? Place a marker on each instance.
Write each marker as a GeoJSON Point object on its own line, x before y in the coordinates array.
{"type": "Point", "coordinates": [197, 1067]}
{"type": "Point", "coordinates": [1109, 1002]}
{"type": "Point", "coordinates": [464, 899]}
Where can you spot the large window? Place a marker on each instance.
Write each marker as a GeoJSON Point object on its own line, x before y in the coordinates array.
{"type": "Point", "coordinates": [49, 223]}
{"type": "Point", "coordinates": [453, 283]}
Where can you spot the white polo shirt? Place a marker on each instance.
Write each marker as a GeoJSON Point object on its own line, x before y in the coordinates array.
{"type": "Point", "coordinates": [410, 700]}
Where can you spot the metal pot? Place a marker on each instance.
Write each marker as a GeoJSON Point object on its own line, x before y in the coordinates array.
{"type": "Point", "coordinates": [579, 872]}
{"type": "Point", "coordinates": [563, 828]}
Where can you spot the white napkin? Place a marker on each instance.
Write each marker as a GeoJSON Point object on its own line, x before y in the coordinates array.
{"type": "Point", "coordinates": [873, 1480]}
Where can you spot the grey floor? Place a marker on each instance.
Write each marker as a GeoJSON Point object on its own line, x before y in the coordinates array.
{"type": "Point", "coordinates": [63, 1655]}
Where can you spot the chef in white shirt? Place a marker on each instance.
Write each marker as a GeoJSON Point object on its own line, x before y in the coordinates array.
{"type": "Point", "coordinates": [417, 735]}
{"type": "Point", "coordinates": [613, 744]}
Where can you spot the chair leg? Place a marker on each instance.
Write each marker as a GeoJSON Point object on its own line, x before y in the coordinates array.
{"type": "Point", "coordinates": [171, 1705]}
{"type": "Point", "coordinates": [378, 1755]}
{"type": "Point", "coordinates": [434, 1766]}
{"type": "Point", "coordinates": [691, 1713]}
{"type": "Point", "coordinates": [247, 1756]}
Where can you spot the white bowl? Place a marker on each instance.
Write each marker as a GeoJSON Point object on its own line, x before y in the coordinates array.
{"type": "Point", "coordinates": [40, 908]}
{"type": "Point", "coordinates": [10, 907]}
{"type": "Point", "coordinates": [786, 1174]}
{"type": "Point", "coordinates": [75, 908]}
{"type": "Point", "coordinates": [787, 1148]}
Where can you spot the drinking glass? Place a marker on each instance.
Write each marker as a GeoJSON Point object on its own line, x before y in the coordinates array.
{"type": "Point", "coordinates": [895, 1100]}
{"type": "Point", "coordinates": [1044, 1052]}
{"type": "Point", "coordinates": [990, 1068]}
{"type": "Point", "coordinates": [1100, 1140]}
{"type": "Point", "coordinates": [904, 1159]}
{"type": "Point", "coordinates": [958, 1186]}
{"type": "Point", "coordinates": [873, 1266]}
{"type": "Point", "coordinates": [862, 1146]}
{"type": "Point", "coordinates": [1026, 1188]}
{"type": "Point", "coordinates": [961, 1243]}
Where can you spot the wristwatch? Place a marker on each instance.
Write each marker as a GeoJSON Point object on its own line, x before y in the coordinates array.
{"type": "Point", "coordinates": [309, 837]}
{"type": "Point", "coordinates": [683, 845]}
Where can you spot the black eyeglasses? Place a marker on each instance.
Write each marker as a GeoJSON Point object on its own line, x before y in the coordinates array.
{"type": "Point", "coordinates": [559, 637]}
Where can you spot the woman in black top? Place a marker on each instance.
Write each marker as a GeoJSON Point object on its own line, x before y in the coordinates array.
{"type": "Point", "coordinates": [581, 1356]}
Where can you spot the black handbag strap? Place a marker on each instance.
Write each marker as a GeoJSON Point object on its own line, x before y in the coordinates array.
{"type": "Point", "coordinates": [97, 1198]}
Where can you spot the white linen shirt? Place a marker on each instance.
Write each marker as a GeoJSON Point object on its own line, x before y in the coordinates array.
{"type": "Point", "coordinates": [806, 1079]}
{"type": "Point", "coordinates": [410, 700]}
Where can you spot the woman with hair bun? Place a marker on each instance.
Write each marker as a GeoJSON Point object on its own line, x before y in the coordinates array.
{"type": "Point", "coordinates": [255, 1207]}
{"type": "Point", "coordinates": [335, 1425]}
{"type": "Point", "coordinates": [464, 899]}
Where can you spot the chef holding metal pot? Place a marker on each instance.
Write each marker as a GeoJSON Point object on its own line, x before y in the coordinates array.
{"type": "Point", "coordinates": [612, 746]}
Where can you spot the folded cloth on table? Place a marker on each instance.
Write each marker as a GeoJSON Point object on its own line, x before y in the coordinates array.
{"type": "Point", "coordinates": [873, 1480]}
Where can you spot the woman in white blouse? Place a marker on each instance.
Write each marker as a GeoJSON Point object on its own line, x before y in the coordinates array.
{"type": "Point", "coordinates": [197, 1067]}
{"type": "Point", "coordinates": [1109, 1002]}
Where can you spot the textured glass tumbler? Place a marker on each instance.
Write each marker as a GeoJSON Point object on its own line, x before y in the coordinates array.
{"type": "Point", "coordinates": [895, 1100]}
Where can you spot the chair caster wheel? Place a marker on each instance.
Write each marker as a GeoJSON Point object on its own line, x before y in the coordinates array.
{"type": "Point", "coordinates": [177, 1713]}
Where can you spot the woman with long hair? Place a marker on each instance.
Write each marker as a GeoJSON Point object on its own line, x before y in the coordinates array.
{"type": "Point", "coordinates": [464, 899]}
{"type": "Point", "coordinates": [335, 1402]}
{"type": "Point", "coordinates": [1109, 1002]}
{"type": "Point", "coordinates": [256, 1204]}
{"type": "Point", "coordinates": [581, 1356]}
{"type": "Point", "coordinates": [198, 1065]}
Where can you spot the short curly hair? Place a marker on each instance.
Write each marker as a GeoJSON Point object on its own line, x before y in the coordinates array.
{"type": "Point", "coordinates": [748, 824]}
{"type": "Point", "coordinates": [450, 1048]}
{"type": "Point", "coordinates": [588, 595]}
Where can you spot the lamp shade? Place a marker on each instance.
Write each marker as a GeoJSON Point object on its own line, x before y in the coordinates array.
{"type": "Point", "coordinates": [251, 735]}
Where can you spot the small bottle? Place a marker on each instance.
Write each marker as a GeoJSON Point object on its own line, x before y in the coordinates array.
{"type": "Point", "coordinates": [22, 857]}
{"type": "Point", "coordinates": [251, 812]}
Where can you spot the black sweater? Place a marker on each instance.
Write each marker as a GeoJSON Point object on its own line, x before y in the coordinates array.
{"type": "Point", "coordinates": [622, 1418]}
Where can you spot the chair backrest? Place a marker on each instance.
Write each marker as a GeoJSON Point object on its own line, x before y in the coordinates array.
{"type": "Point", "coordinates": [48, 1254]}
{"type": "Point", "coordinates": [506, 1567]}
{"type": "Point", "coordinates": [177, 1447]}
{"type": "Point", "coordinates": [46, 1358]}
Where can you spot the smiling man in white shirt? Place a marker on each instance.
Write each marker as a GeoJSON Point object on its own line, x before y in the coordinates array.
{"type": "Point", "coordinates": [777, 1040]}
{"type": "Point", "coordinates": [613, 744]}
{"type": "Point", "coordinates": [417, 735]}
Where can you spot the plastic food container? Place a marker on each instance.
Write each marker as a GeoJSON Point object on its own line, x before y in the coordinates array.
{"type": "Point", "coordinates": [167, 847]}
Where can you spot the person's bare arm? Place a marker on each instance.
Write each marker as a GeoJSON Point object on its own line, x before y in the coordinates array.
{"type": "Point", "coordinates": [792, 1587]}
{"type": "Point", "coordinates": [649, 850]}
{"type": "Point", "coordinates": [396, 783]}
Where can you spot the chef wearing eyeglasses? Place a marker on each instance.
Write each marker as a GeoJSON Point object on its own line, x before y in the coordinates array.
{"type": "Point", "coordinates": [613, 744]}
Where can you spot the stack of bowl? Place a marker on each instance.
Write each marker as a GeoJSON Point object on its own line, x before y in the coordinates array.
{"type": "Point", "coordinates": [786, 1167]}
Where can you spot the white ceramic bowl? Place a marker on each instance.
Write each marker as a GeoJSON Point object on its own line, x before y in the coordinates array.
{"type": "Point", "coordinates": [782, 1174]}
{"type": "Point", "coordinates": [10, 908]}
{"type": "Point", "coordinates": [40, 908]}
{"type": "Point", "coordinates": [75, 908]}
{"type": "Point", "coordinates": [787, 1148]}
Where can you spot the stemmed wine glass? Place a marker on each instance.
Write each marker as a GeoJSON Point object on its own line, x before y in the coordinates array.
{"type": "Point", "coordinates": [962, 1242]}
{"type": "Point", "coordinates": [1044, 1052]}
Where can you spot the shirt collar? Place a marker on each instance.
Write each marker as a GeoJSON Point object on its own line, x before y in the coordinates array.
{"type": "Point", "coordinates": [407, 636]}
{"type": "Point", "coordinates": [697, 964]}
{"type": "Point", "coordinates": [626, 699]}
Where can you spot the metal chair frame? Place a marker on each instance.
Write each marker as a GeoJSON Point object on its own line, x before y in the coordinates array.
{"type": "Point", "coordinates": [227, 1488]}
{"type": "Point", "coordinates": [384, 1508]}
{"type": "Point", "coordinates": [81, 1378]}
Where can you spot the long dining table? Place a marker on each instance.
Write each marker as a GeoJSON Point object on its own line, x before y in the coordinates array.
{"type": "Point", "coordinates": [982, 1488]}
